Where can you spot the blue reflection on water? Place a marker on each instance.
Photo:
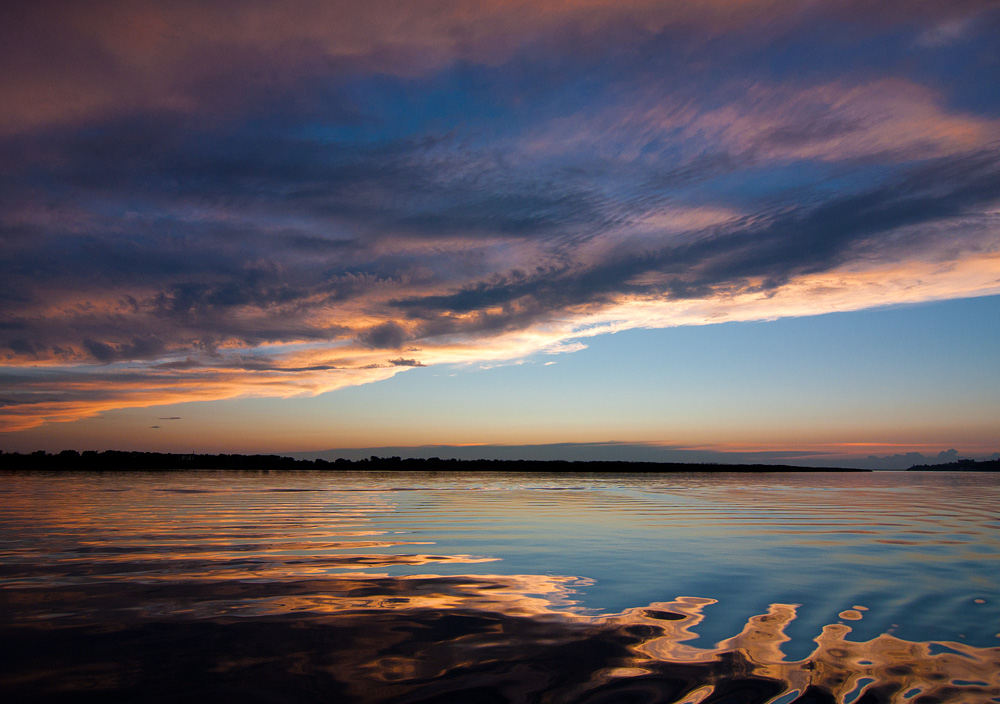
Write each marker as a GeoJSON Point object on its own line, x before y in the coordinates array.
{"type": "Point", "coordinates": [913, 555]}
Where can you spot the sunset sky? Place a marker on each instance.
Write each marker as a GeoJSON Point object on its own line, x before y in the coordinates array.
{"type": "Point", "coordinates": [609, 229]}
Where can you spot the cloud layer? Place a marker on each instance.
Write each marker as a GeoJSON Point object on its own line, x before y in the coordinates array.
{"type": "Point", "coordinates": [199, 201]}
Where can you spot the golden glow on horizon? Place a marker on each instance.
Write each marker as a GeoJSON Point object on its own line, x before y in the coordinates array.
{"type": "Point", "coordinates": [308, 369]}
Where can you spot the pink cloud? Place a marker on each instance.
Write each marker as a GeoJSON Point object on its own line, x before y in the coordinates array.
{"type": "Point", "coordinates": [71, 61]}
{"type": "Point", "coordinates": [891, 119]}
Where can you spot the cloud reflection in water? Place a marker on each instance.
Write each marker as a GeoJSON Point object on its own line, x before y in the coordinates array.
{"type": "Point", "coordinates": [202, 587]}
{"type": "Point", "coordinates": [483, 638]}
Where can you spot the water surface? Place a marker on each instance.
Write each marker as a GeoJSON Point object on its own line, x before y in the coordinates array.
{"type": "Point", "coordinates": [392, 587]}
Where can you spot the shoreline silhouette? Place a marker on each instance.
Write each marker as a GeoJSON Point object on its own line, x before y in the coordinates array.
{"type": "Point", "coordinates": [119, 460]}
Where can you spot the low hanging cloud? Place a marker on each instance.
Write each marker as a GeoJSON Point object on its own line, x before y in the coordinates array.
{"type": "Point", "coordinates": [318, 195]}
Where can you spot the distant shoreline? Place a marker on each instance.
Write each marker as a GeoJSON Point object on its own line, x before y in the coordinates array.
{"type": "Point", "coordinates": [117, 460]}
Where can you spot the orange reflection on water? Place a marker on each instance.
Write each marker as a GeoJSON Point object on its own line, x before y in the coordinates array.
{"type": "Point", "coordinates": [120, 594]}
{"type": "Point", "coordinates": [515, 638]}
{"type": "Point", "coordinates": [642, 650]}
{"type": "Point", "coordinates": [886, 666]}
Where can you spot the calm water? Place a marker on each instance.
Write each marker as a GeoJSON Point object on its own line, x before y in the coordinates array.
{"type": "Point", "coordinates": [375, 587]}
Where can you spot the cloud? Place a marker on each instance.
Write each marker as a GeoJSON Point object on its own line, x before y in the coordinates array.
{"type": "Point", "coordinates": [405, 363]}
{"type": "Point", "coordinates": [756, 120]}
{"type": "Point", "coordinates": [76, 392]}
{"type": "Point", "coordinates": [73, 62]}
{"type": "Point", "coordinates": [829, 455]}
{"type": "Point", "coordinates": [388, 335]}
{"type": "Point", "coordinates": [138, 349]}
{"type": "Point", "coordinates": [201, 202]}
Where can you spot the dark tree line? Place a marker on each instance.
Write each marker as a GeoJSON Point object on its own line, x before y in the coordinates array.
{"type": "Point", "coordinates": [960, 466]}
{"type": "Point", "coordinates": [117, 460]}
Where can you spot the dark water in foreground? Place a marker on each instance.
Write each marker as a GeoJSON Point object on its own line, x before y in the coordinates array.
{"type": "Point", "coordinates": [325, 587]}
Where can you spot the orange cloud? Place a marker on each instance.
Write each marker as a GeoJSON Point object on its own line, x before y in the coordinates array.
{"type": "Point", "coordinates": [314, 368]}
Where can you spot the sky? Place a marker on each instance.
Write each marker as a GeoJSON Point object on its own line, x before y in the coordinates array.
{"type": "Point", "coordinates": [734, 230]}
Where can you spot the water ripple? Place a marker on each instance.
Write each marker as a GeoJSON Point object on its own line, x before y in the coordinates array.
{"type": "Point", "coordinates": [376, 587]}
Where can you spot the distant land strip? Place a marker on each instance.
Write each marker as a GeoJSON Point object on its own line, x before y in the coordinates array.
{"type": "Point", "coordinates": [118, 460]}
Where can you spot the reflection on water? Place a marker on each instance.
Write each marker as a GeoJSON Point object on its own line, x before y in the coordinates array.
{"type": "Point", "coordinates": [392, 588]}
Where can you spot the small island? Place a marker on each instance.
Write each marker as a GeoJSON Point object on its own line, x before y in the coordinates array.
{"type": "Point", "coordinates": [959, 466]}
